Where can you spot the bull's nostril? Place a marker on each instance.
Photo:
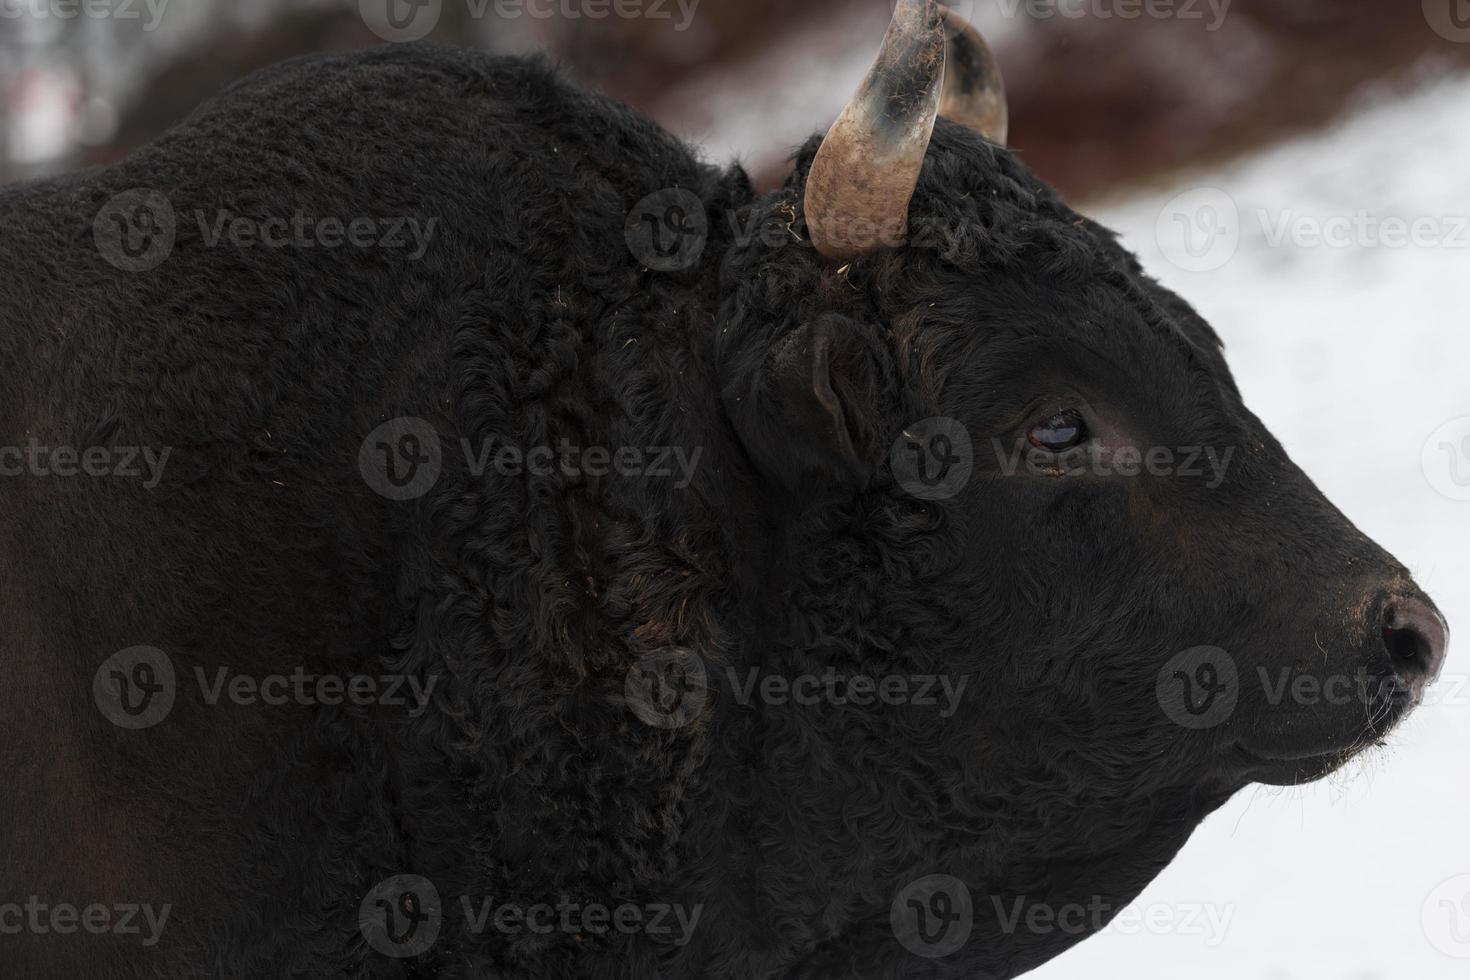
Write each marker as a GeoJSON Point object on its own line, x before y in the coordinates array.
{"type": "Point", "coordinates": [1416, 638]}
{"type": "Point", "coordinates": [1406, 646]}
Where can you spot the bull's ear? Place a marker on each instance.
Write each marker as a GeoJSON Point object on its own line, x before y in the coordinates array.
{"type": "Point", "coordinates": [806, 409]}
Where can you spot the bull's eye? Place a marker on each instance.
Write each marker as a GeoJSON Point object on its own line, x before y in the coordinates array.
{"type": "Point", "coordinates": [1063, 431]}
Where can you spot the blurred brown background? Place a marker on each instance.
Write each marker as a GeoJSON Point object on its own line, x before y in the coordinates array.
{"type": "Point", "coordinates": [1105, 93]}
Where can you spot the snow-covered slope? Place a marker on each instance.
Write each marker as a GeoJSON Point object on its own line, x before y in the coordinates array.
{"type": "Point", "coordinates": [1357, 356]}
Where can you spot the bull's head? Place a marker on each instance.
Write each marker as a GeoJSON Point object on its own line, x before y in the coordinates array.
{"type": "Point", "coordinates": [1015, 457]}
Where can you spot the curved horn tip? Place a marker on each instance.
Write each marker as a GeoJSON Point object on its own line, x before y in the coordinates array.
{"type": "Point", "coordinates": [974, 89]}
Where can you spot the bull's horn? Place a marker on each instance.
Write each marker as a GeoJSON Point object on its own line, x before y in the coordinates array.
{"type": "Point", "coordinates": [974, 92]}
{"type": "Point", "coordinates": [864, 175]}
{"type": "Point", "coordinates": [863, 178]}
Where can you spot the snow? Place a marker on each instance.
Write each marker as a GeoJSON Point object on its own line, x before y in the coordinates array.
{"type": "Point", "coordinates": [1358, 357]}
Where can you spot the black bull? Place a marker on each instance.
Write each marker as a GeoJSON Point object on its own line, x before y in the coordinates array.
{"type": "Point", "coordinates": [451, 531]}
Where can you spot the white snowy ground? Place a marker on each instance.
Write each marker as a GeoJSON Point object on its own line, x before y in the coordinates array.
{"type": "Point", "coordinates": [1356, 356]}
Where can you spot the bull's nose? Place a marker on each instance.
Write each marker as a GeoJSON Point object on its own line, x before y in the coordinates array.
{"type": "Point", "coordinates": [1417, 640]}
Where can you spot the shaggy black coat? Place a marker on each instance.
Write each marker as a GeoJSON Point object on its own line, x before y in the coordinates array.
{"type": "Point", "coordinates": [529, 321]}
